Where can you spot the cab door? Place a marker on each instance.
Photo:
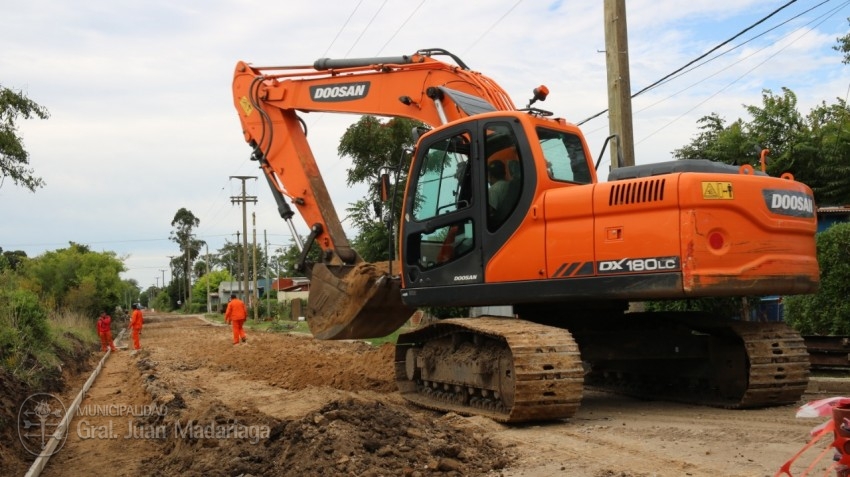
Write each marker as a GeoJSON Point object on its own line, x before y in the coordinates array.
{"type": "Point", "coordinates": [442, 219]}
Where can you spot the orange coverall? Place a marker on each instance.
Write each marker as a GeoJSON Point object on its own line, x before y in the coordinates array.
{"type": "Point", "coordinates": [136, 326]}
{"type": "Point", "coordinates": [236, 313]}
{"type": "Point", "coordinates": [104, 330]}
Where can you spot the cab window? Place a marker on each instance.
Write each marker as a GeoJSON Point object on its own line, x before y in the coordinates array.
{"type": "Point", "coordinates": [565, 157]}
{"type": "Point", "coordinates": [444, 180]}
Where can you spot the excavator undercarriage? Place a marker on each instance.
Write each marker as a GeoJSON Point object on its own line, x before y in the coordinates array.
{"type": "Point", "coordinates": [514, 370]}
{"type": "Point", "coordinates": [508, 370]}
{"type": "Point", "coordinates": [696, 359]}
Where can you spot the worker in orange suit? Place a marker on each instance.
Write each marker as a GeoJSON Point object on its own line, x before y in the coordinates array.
{"type": "Point", "coordinates": [104, 330]}
{"type": "Point", "coordinates": [236, 313]}
{"type": "Point", "coordinates": [136, 321]}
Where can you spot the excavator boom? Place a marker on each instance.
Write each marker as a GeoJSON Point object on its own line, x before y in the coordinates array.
{"type": "Point", "coordinates": [348, 299]}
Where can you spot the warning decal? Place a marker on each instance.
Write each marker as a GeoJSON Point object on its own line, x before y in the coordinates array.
{"type": "Point", "coordinates": [717, 190]}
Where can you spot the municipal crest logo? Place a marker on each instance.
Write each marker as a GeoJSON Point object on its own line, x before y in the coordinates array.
{"type": "Point", "coordinates": [39, 419]}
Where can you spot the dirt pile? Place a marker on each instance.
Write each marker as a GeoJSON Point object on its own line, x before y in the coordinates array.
{"type": "Point", "coordinates": [352, 436]}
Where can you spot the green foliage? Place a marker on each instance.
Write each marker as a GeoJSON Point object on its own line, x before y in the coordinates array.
{"type": "Point", "coordinates": [12, 260]}
{"type": "Point", "coordinates": [843, 47]}
{"type": "Point", "coordinates": [373, 241]}
{"type": "Point", "coordinates": [214, 279]}
{"type": "Point", "coordinates": [184, 223]}
{"type": "Point", "coordinates": [442, 312]}
{"type": "Point", "coordinates": [29, 342]}
{"type": "Point", "coordinates": [376, 147]}
{"type": "Point", "coordinates": [14, 159]}
{"type": "Point", "coordinates": [77, 278]}
{"type": "Point", "coordinates": [828, 311]}
{"type": "Point", "coordinates": [288, 258]}
{"type": "Point", "coordinates": [162, 302]}
{"type": "Point", "coordinates": [230, 257]}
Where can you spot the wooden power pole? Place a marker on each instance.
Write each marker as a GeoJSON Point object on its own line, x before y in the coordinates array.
{"type": "Point", "coordinates": [244, 199]}
{"type": "Point", "coordinates": [619, 85]}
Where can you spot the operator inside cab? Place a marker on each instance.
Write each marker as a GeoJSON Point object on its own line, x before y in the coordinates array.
{"type": "Point", "coordinates": [504, 179]}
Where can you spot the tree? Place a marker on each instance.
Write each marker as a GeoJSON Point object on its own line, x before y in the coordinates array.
{"type": "Point", "coordinates": [814, 148]}
{"type": "Point", "coordinates": [12, 259]}
{"type": "Point", "coordinates": [184, 223]}
{"type": "Point", "coordinates": [843, 46]}
{"type": "Point", "coordinates": [77, 278]}
{"type": "Point", "coordinates": [288, 258]}
{"type": "Point", "coordinates": [14, 159]}
{"type": "Point", "coordinates": [229, 257]}
{"type": "Point", "coordinates": [214, 279]}
{"type": "Point", "coordinates": [375, 147]}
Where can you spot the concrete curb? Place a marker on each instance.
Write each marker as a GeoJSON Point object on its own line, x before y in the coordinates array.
{"type": "Point", "coordinates": [837, 386]}
{"type": "Point", "coordinates": [41, 461]}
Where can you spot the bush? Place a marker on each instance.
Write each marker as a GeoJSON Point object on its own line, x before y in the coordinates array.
{"type": "Point", "coordinates": [31, 343]}
{"type": "Point", "coordinates": [828, 311]}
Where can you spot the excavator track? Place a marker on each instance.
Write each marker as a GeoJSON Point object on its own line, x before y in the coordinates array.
{"type": "Point", "coordinates": [506, 369]}
{"type": "Point", "coordinates": [735, 365]}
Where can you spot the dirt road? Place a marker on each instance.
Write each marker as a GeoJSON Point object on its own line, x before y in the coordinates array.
{"type": "Point", "coordinates": [192, 404]}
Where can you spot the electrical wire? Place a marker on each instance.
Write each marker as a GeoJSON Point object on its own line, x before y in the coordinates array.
{"type": "Point", "coordinates": [400, 27]}
{"type": "Point", "coordinates": [706, 78]}
{"type": "Point", "coordinates": [770, 57]}
{"type": "Point", "coordinates": [656, 83]}
{"type": "Point", "coordinates": [726, 52]}
{"type": "Point", "coordinates": [368, 25]}
{"type": "Point", "coordinates": [480, 37]}
{"type": "Point", "coordinates": [342, 28]}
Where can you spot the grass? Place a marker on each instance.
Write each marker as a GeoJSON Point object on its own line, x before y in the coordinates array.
{"type": "Point", "coordinates": [32, 359]}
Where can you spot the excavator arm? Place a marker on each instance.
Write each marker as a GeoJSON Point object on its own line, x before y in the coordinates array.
{"type": "Point", "coordinates": [268, 100]}
{"type": "Point", "coordinates": [348, 297]}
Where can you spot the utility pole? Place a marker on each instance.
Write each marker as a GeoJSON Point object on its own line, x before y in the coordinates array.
{"type": "Point", "coordinates": [163, 279]}
{"type": "Point", "coordinates": [256, 293]}
{"type": "Point", "coordinates": [619, 84]}
{"type": "Point", "coordinates": [209, 307]}
{"type": "Point", "coordinates": [171, 270]}
{"type": "Point", "coordinates": [268, 275]}
{"type": "Point", "coordinates": [244, 199]}
{"type": "Point", "coordinates": [188, 301]}
{"type": "Point", "coordinates": [239, 249]}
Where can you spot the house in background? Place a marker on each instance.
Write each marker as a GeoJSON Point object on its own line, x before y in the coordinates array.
{"type": "Point", "coordinates": [293, 291]}
{"type": "Point", "coordinates": [831, 215]}
{"type": "Point", "coordinates": [219, 300]}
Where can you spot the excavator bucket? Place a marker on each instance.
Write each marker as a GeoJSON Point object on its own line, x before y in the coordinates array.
{"type": "Point", "coordinates": [354, 302]}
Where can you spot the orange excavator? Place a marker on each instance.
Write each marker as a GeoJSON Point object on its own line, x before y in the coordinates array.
{"type": "Point", "coordinates": [566, 252]}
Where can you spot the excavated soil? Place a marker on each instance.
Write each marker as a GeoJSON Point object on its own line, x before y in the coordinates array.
{"type": "Point", "coordinates": [192, 404]}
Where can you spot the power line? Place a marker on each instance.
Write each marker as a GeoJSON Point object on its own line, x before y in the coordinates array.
{"type": "Point", "coordinates": [401, 26]}
{"type": "Point", "coordinates": [656, 83]}
{"type": "Point", "coordinates": [338, 33]}
{"type": "Point", "coordinates": [705, 78]}
{"type": "Point", "coordinates": [365, 29]}
{"type": "Point", "coordinates": [480, 37]}
{"type": "Point", "coordinates": [770, 57]}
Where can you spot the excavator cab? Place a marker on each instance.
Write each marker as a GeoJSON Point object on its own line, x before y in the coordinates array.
{"type": "Point", "coordinates": [470, 185]}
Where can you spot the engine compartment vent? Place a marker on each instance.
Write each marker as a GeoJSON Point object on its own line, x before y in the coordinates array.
{"type": "Point", "coordinates": [637, 192]}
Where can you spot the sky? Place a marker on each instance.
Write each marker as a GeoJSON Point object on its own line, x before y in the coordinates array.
{"type": "Point", "coordinates": [142, 121]}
